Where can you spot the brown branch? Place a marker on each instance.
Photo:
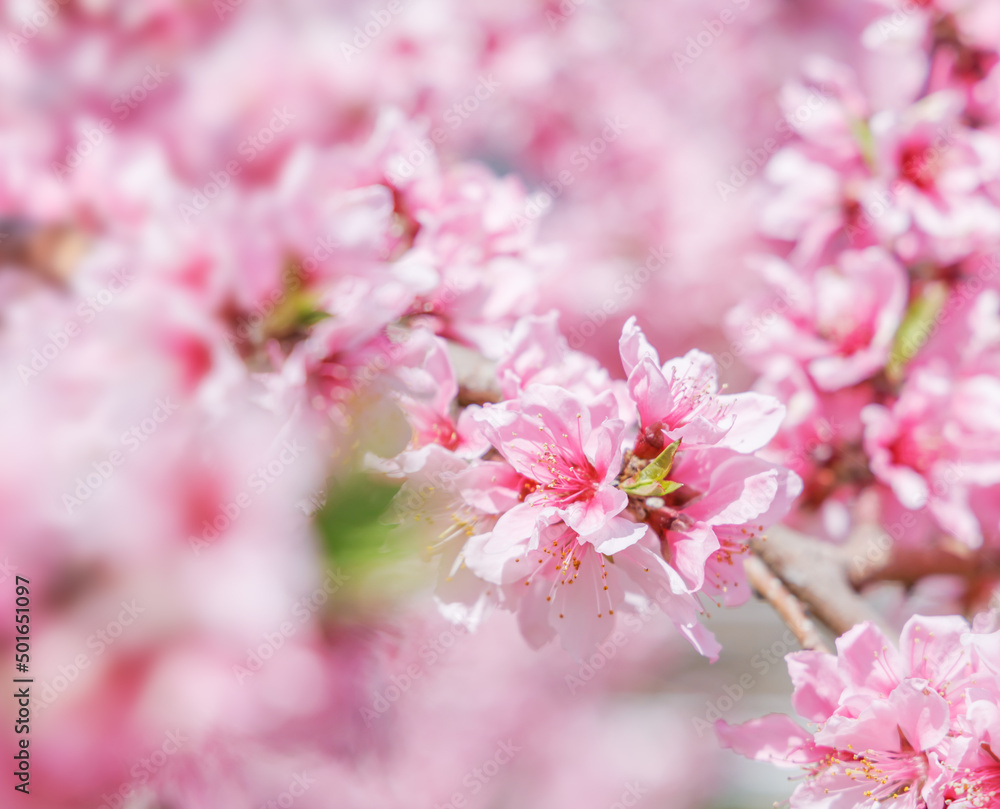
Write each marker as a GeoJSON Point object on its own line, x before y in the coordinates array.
{"type": "Point", "coordinates": [476, 396]}
{"type": "Point", "coordinates": [816, 573]}
{"type": "Point", "coordinates": [477, 382]}
{"type": "Point", "coordinates": [827, 579]}
{"type": "Point", "coordinates": [51, 251]}
{"type": "Point", "coordinates": [788, 607]}
{"type": "Point", "coordinates": [873, 560]}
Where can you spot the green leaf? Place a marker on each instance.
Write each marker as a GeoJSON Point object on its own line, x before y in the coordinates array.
{"type": "Point", "coordinates": [297, 310]}
{"type": "Point", "coordinates": [918, 324]}
{"type": "Point", "coordinates": [311, 318]}
{"type": "Point", "coordinates": [866, 142]}
{"type": "Point", "coordinates": [651, 480]}
{"type": "Point", "coordinates": [655, 489]}
{"type": "Point", "coordinates": [349, 527]}
{"type": "Point", "coordinates": [659, 467]}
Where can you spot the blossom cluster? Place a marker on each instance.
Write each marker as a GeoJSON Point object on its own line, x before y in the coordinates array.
{"type": "Point", "coordinates": [575, 495]}
{"type": "Point", "coordinates": [911, 726]}
{"type": "Point", "coordinates": [266, 267]}
{"type": "Point", "coordinates": [878, 322]}
{"type": "Point", "coordinates": [233, 272]}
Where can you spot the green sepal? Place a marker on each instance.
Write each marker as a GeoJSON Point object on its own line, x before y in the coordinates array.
{"type": "Point", "coordinates": [651, 480]}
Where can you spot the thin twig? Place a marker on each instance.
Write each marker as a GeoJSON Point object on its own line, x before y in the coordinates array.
{"type": "Point", "coordinates": [788, 607]}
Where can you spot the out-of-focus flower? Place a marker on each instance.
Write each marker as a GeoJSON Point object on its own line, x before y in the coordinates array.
{"type": "Point", "coordinates": [839, 321]}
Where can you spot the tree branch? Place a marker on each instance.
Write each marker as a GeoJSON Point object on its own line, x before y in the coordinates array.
{"type": "Point", "coordinates": [816, 574]}
{"type": "Point", "coordinates": [771, 588]}
{"type": "Point", "coordinates": [910, 565]}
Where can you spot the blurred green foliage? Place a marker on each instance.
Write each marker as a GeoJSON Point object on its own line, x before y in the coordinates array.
{"type": "Point", "coordinates": [357, 540]}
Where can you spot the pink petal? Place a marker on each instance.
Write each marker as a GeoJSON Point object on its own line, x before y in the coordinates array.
{"type": "Point", "coordinates": [617, 534]}
{"type": "Point", "coordinates": [690, 550]}
{"type": "Point", "coordinates": [589, 516]}
{"type": "Point", "coordinates": [756, 419]}
{"type": "Point", "coordinates": [867, 659]}
{"type": "Point", "coordinates": [634, 347]}
{"type": "Point", "coordinates": [817, 684]}
{"type": "Point", "coordinates": [774, 738]}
